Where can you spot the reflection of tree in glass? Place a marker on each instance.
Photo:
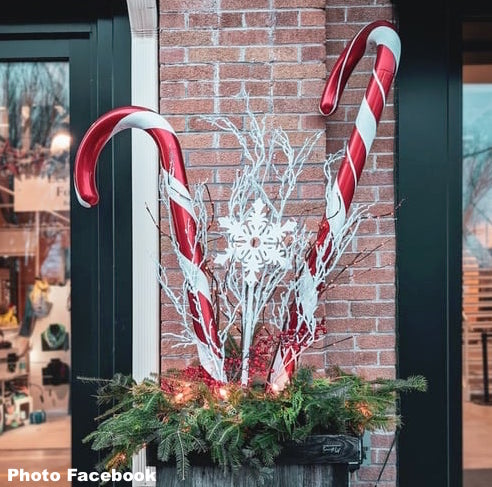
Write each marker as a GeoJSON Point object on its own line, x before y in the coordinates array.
{"type": "Point", "coordinates": [477, 170]}
{"type": "Point", "coordinates": [34, 97]}
{"type": "Point", "coordinates": [36, 94]}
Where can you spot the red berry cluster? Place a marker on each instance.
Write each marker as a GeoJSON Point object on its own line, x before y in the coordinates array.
{"type": "Point", "coordinates": [260, 357]}
{"type": "Point", "coordinates": [321, 329]}
{"type": "Point", "coordinates": [289, 339]}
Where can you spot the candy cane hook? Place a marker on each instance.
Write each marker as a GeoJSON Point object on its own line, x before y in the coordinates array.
{"type": "Point", "coordinates": [183, 217]}
{"type": "Point", "coordinates": [384, 36]}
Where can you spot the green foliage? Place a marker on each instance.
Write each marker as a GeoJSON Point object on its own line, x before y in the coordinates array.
{"type": "Point", "coordinates": [238, 426]}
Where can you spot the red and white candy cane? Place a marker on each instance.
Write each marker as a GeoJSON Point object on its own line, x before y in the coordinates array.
{"type": "Point", "coordinates": [183, 217]}
{"type": "Point", "coordinates": [384, 36]}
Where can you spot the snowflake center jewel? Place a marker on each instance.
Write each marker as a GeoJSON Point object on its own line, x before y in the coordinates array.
{"type": "Point", "coordinates": [255, 242]}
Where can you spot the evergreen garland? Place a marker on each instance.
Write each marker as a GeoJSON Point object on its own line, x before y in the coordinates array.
{"type": "Point", "coordinates": [237, 426]}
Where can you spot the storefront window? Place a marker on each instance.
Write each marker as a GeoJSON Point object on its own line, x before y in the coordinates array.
{"type": "Point", "coordinates": [477, 252]}
{"type": "Point", "coordinates": [34, 253]}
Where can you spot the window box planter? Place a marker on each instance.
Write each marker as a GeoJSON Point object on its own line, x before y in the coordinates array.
{"type": "Point", "coordinates": [319, 461]}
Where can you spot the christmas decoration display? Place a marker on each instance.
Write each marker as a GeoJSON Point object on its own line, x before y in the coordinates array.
{"type": "Point", "coordinates": [263, 248]}
{"type": "Point", "coordinates": [194, 418]}
{"type": "Point", "coordinates": [384, 36]}
{"type": "Point", "coordinates": [250, 297]}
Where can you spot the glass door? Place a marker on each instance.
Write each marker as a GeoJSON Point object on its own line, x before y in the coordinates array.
{"type": "Point", "coordinates": [35, 256]}
{"type": "Point", "coordinates": [477, 253]}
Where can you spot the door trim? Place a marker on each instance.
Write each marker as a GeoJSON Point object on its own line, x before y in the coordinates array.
{"type": "Point", "coordinates": [428, 230]}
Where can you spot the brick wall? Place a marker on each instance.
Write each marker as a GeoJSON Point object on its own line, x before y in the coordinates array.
{"type": "Point", "coordinates": [280, 51]}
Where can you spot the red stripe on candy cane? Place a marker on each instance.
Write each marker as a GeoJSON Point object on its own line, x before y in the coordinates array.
{"type": "Point", "coordinates": [383, 35]}
{"type": "Point", "coordinates": [182, 213]}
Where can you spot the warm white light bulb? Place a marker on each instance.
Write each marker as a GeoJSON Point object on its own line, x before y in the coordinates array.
{"type": "Point", "coordinates": [60, 143]}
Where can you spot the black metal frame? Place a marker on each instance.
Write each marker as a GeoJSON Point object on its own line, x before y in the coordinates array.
{"type": "Point", "coordinates": [429, 233]}
{"type": "Point", "coordinates": [94, 36]}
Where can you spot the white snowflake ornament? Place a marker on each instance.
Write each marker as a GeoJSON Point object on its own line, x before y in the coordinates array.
{"type": "Point", "coordinates": [255, 242]}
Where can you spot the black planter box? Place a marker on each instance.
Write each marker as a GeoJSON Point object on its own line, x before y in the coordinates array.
{"type": "Point", "coordinates": [320, 461]}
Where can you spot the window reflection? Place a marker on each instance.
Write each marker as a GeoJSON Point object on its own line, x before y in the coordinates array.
{"type": "Point", "coordinates": [34, 248]}
{"type": "Point", "coordinates": [477, 251]}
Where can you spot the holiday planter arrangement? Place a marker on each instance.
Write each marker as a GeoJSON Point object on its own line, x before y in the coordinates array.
{"type": "Point", "coordinates": [199, 428]}
{"type": "Point", "coordinates": [251, 302]}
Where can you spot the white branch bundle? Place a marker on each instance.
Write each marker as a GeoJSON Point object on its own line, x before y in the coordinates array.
{"type": "Point", "coordinates": [264, 267]}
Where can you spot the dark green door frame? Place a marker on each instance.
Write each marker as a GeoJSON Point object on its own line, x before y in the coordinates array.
{"type": "Point", "coordinates": [429, 223]}
{"type": "Point", "coordinates": [94, 36]}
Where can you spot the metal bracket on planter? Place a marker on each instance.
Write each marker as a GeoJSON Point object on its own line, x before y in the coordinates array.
{"type": "Point", "coordinates": [366, 448]}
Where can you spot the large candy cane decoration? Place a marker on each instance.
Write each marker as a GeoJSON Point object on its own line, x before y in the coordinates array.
{"type": "Point", "coordinates": [183, 217]}
{"type": "Point", "coordinates": [383, 35]}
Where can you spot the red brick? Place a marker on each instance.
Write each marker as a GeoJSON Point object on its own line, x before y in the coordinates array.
{"type": "Point", "coordinates": [258, 19]}
{"type": "Point", "coordinates": [213, 54]}
{"type": "Point", "coordinates": [313, 88]}
{"type": "Point", "coordinates": [372, 472]}
{"type": "Point", "coordinates": [196, 141]}
{"type": "Point", "coordinates": [244, 37]}
{"type": "Point", "coordinates": [257, 88]}
{"type": "Point", "coordinates": [245, 71]}
{"type": "Point", "coordinates": [285, 121]}
{"type": "Point", "coordinates": [350, 325]}
{"type": "Point", "coordinates": [299, 3]}
{"type": "Point", "coordinates": [171, 55]}
{"type": "Point", "coordinates": [214, 158]}
{"type": "Point", "coordinates": [386, 193]}
{"type": "Point", "coordinates": [231, 19]}
{"type": "Point", "coordinates": [172, 90]}
{"type": "Point", "coordinates": [335, 14]}
{"type": "Point", "coordinates": [347, 358]}
{"type": "Point", "coordinates": [186, 73]}
{"type": "Point", "coordinates": [239, 4]}
{"type": "Point", "coordinates": [313, 17]}
{"type": "Point", "coordinates": [373, 242]}
{"type": "Point", "coordinates": [387, 358]}
{"type": "Point", "coordinates": [171, 21]}
{"type": "Point", "coordinates": [178, 122]}
{"type": "Point", "coordinates": [229, 88]}
{"type": "Point", "coordinates": [285, 88]}
{"type": "Point", "coordinates": [187, 106]}
{"type": "Point", "coordinates": [200, 88]}
{"type": "Point", "coordinates": [386, 226]}
{"type": "Point", "coordinates": [312, 53]}
{"type": "Point", "coordinates": [368, 14]}
{"type": "Point", "coordinates": [264, 53]}
{"type": "Point", "coordinates": [351, 292]}
{"type": "Point", "coordinates": [373, 308]}
{"type": "Point", "coordinates": [387, 258]}
{"type": "Point", "coordinates": [208, 20]}
{"type": "Point", "coordinates": [299, 36]}
{"type": "Point", "coordinates": [334, 48]}
{"type": "Point", "coordinates": [309, 122]}
{"type": "Point", "coordinates": [287, 18]}
{"type": "Point", "coordinates": [313, 360]}
{"type": "Point", "coordinates": [292, 71]}
{"type": "Point", "coordinates": [185, 38]}
{"type": "Point", "coordinates": [228, 105]}
{"type": "Point", "coordinates": [343, 31]}
{"type": "Point", "coordinates": [199, 175]}
{"type": "Point", "coordinates": [385, 324]}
